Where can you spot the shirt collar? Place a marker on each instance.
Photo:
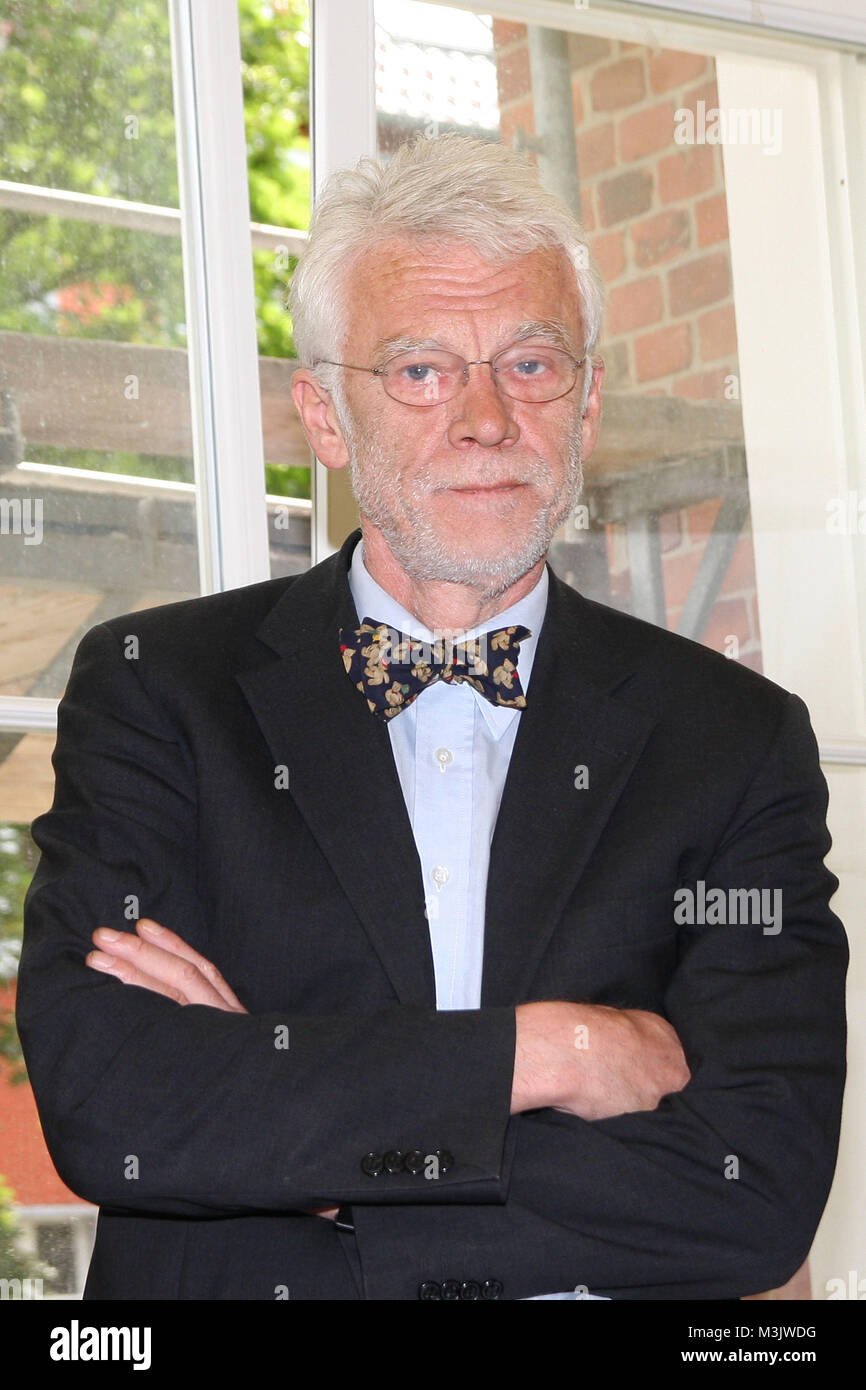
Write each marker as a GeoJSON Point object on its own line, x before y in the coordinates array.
{"type": "Point", "coordinates": [371, 600]}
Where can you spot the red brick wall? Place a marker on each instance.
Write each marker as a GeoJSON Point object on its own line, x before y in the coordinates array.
{"type": "Point", "coordinates": [24, 1161]}
{"type": "Point", "coordinates": [654, 210]}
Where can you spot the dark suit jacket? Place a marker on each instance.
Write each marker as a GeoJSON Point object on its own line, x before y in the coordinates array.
{"type": "Point", "coordinates": [310, 901]}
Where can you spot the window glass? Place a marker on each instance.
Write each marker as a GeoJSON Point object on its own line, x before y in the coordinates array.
{"type": "Point", "coordinates": [97, 504]}
{"type": "Point", "coordinates": [55, 1246]}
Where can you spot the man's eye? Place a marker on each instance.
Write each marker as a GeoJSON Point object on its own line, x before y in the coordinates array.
{"type": "Point", "coordinates": [420, 372]}
{"type": "Point", "coordinates": [529, 366]}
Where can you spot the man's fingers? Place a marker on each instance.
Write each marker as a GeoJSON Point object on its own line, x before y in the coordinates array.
{"type": "Point", "coordinates": [170, 941]}
{"type": "Point", "coordinates": [133, 960]}
{"type": "Point", "coordinates": [128, 974]}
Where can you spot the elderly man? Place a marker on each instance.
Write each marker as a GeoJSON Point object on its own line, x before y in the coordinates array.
{"type": "Point", "coordinates": [414, 1005]}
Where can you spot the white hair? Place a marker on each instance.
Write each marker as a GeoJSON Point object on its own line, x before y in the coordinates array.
{"type": "Point", "coordinates": [445, 187]}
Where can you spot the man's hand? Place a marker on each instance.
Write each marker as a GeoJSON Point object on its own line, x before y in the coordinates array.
{"type": "Point", "coordinates": [594, 1061]}
{"type": "Point", "coordinates": [159, 960]}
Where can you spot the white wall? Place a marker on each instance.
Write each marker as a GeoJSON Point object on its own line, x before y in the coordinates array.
{"type": "Point", "coordinates": [795, 300]}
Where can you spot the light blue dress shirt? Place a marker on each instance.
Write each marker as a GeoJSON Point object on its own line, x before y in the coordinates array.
{"type": "Point", "coordinates": [452, 749]}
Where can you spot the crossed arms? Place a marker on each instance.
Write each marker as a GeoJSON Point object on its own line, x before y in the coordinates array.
{"type": "Point", "coordinates": [634, 1060]}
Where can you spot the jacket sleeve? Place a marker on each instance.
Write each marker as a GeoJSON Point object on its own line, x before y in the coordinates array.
{"type": "Point", "coordinates": [718, 1192]}
{"type": "Point", "coordinates": [151, 1106]}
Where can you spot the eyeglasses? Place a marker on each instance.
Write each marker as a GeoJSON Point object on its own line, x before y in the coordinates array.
{"type": "Point", "coordinates": [425, 377]}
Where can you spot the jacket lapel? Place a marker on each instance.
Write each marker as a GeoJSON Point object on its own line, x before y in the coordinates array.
{"type": "Point", "coordinates": [342, 774]}
{"type": "Point", "coordinates": [547, 826]}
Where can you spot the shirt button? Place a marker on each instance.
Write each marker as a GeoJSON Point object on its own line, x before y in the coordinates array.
{"type": "Point", "coordinates": [443, 756]}
{"type": "Point", "coordinates": [440, 875]}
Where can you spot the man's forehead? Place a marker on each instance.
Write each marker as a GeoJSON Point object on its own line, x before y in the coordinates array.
{"type": "Point", "coordinates": [400, 281]}
{"type": "Point", "coordinates": [453, 261]}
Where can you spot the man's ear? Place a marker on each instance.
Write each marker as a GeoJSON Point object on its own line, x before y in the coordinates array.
{"type": "Point", "coordinates": [319, 418]}
{"type": "Point", "coordinates": [592, 410]}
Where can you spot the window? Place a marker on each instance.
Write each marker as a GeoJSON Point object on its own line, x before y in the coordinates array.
{"type": "Point", "coordinates": [134, 436]}
{"type": "Point", "coordinates": [149, 448]}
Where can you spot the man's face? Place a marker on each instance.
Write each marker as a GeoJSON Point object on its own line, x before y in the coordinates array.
{"type": "Point", "coordinates": [469, 489]}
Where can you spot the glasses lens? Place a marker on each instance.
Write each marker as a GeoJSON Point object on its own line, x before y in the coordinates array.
{"type": "Point", "coordinates": [423, 378]}
{"type": "Point", "coordinates": [535, 374]}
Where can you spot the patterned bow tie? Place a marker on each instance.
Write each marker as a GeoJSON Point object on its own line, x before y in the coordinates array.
{"type": "Point", "coordinates": [392, 669]}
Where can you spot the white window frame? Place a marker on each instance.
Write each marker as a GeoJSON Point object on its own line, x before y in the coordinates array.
{"type": "Point", "coordinates": [343, 130]}
{"type": "Point", "coordinates": [228, 448]}
{"type": "Point", "coordinates": [835, 20]}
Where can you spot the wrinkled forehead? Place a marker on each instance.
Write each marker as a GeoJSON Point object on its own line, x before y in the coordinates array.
{"type": "Point", "coordinates": [400, 286]}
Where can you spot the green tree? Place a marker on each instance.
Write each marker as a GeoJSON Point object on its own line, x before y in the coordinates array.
{"type": "Point", "coordinates": [87, 106]}
{"type": "Point", "coordinates": [275, 71]}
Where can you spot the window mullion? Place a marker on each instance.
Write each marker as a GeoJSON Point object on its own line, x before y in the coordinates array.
{"type": "Point", "coordinates": [218, 278]}
{"type": "Point", "coordinates": [343, 117]}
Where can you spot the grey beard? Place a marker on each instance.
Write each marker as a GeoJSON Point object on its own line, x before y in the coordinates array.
{"type": "Point", "coordinates": [426, 556]}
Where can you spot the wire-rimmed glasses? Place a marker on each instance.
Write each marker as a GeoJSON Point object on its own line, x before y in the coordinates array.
{"type": "Point", "coordinates": [429, 376]}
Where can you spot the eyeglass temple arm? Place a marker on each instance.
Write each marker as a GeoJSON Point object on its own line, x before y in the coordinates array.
{"type": "Point", "coordinates": [326, 361]}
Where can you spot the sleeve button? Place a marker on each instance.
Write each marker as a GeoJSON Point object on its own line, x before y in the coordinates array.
{"type": "Point", "coordinates": [371, 1164]}
{"type": "Point", "coordinates": [491, 1288]}
{"type": "Point", "coordinates": [429, 1291]}
{"type": "Point", "coordinates": [393, 1161]}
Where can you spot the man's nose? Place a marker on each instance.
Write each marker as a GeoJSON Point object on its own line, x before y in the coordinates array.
{"type": "Point", "coordinates": [484, 414]}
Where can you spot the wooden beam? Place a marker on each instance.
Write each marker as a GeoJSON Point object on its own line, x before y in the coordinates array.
{"type": "Point", "coordinates": [80, 393]}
